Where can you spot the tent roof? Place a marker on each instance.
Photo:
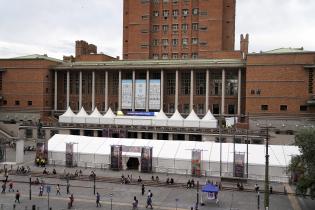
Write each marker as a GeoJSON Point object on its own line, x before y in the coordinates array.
{"type": "Point", "coordinates": [208, 117]}
{"type": "Point", "coordinates": [192, 116]}
{"type": "Point", "coordinates": [210, 188]}
{"type": "Point", "coordinates": [68, 113]}
{"type": "Point", "coordinates": [95, 113]}
{"type": "Point", "coordinates": [82, 113]}
{"type": "Point", "coordinates": [161, 116]}
{"type": "Point", "coordinates": [109, 114]}
{"type": "Point", "coordinates": [176, 116]}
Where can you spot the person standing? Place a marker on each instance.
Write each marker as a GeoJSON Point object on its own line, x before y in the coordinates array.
{"type": "Point", "coordinates": [98, 199]}
{"type": "Point", "coordinates": [135, 203]}
{"type": "Point", "coordinates": [68, 188]}
{"type": "Point", "coordinates": [41, 190]}
{"type": "Point", "coordinates": [142, 189]}
{"type": "Point", "coordinates": [71, 201]}
{"type": "Point", "coordinates": [4, 186]}
{"type": "Point", "coordinates": [17, 197]}
{"type": "Point", "coordinates": [58, 190]}
{"type": "Point", "coordinates": [11, 187]}
{"type": "Point", "coordinates": [149, 202]}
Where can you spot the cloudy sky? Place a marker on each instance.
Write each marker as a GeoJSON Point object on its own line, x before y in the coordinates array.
{"type": "Point", "coordinates": [52, 26]}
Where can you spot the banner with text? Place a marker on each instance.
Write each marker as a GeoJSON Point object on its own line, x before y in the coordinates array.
{"type": "Point", "coordinates": [146, 159]}
{"type": "Point", "coordinates": [116, 157]}
{"type": "Point", "coordinates": [155, 94]}
{"type": "Point", "coordinates": [69, 154]}
{"type": "Point", "coordinates": [239, 164]}
{"type": "Point", "coordinates": [126, 94]}
{"type": "Point", "coordinates": [196, 162]}
{"type": "Point", "coordinates": [140, 94]}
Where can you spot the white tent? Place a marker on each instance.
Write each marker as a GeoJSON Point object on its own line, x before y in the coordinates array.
{"type": "Point", "coordinates": [108, 118]}
{"type": "Point", "coordinates": [175, 156]}
{"type": "Point", "coordinates": [176, 120]}
{"type": "Point", "coordinates": [81, 116]}
{"type": "Point", "coordinates": [94, 117]}
{"type": "Point", "coordinates": [192, 120]}
{"type": "Point", "coordinates": [160, 119]}
{"type": "Point", "coordinates": [67, 116]}
{"type": "Point", "coordinates": [208, 121]}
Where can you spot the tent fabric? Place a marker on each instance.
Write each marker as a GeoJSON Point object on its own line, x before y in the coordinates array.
{"type": "Point", "coordinates": [160, 119]}
{"type": "Point", "coordinates": [208, 121]}
{"type": "Point", "coordinates": [94, 117]}
{"type": "Point", "coordinates": [176, 120]}
{"type": "Point", "coordinates": [210, 188]}
{"type": "Point", "coordinates": [81, 116]}
{"type": "Point", "coordinates": [175, 156]}
{"type": "Point", "coordinates": [192, 120]}
{"type": "Point", "coordinates": [67, 116]}
{"type": "Point", "coordinates": [108, 118]}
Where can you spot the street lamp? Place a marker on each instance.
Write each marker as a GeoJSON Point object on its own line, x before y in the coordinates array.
{"type": "Point", "coordinates": [258, 200]}
{"type": "Point", "coordinates": [94, 176]}
{"type": "Point", "coordinates": [111, 201]}
{"type": "Point", "coordinates": [176, 202]}
{"type": "Point", "coordinates": [197, 203]}
{"type": "Point", "coordinates": [30, 187]}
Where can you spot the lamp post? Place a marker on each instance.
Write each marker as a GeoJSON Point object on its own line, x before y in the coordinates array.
{"type": "Point", "coordinates": [197, 203]}
{"type": "Point", "coordinates": [30, 187]}
{"type": "Point", "coordinates": [220, 140]}
{"type": "Point", "coordinates": [94, 176]}
{"type": "Point", "coordinates": [258, 200]}
{"type": "Point", "coordinates": [111, 201]}
{"type": "Point", "coordinates": [176, 202]}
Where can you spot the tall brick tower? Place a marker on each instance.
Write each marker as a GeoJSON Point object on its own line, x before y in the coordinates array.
{"type": "Point", "coordinates": [177, 29]}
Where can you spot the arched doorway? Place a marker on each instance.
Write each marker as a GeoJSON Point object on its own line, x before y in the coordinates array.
{"type": "Point", "coordinates": [133, 163]}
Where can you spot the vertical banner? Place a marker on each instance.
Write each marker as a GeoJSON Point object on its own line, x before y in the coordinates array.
{"type": "Point", "coordinates": [146, 159]}
{"type": "Point", "coordinates": [69, 154]}
{"type": "Point", "coordinates": [195, 162]}
{"type": "Point", "coordinates": [41, 152]}
{"type": "Point", "coordinates": [116, 157]}
{"type": "Point", "coordinates": [126, 94]}
{"type": "Point", "coordinates": [155, 94]}
{"type": "Point", "coordinates": [140, 94]}
{"type": "Point", "coordinates": [239, 164]}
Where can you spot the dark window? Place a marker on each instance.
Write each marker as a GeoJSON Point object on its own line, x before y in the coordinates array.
{"type": "Point", "coordinates": [200, 109]}
{"type": "Point", "coordinates": [200, 83]}
{"type": "Point", "coordinates": [310, 81]}
{"type": "Point", "coordinates": [258, 91]}
{"type": "Point", "coordinates": [231, 109]}
{"type": "Point", "coordinates": [303, 108]}
{"type": "Point", "coordinates": [46, 90]}
{"type": "Point", "coordinates": [4, 102]}
{"type": "Point", "coordinates": [186, 108]}
{"type": "Point", "coordinates": [283, 107]}
{"type": "Point", "coordinates": [17, 103]}
{"type": "Point", "coordinates": [216, 109]}
{"type": "Point", "coordinates": [115, 82]}
{"type": "Point", "coordinates": [30, 103]}
{"type": "Point", "coordinates": [29, 133]}
{"type": "Point", "coordinates": [264, 107]}
{"type": "Point", "coordinates": [194, 26]}
{"type": "Point", "coordinates": [170, 84]}
{"type": "Point", "coordinates": [252, 92]}
{"type": "Point", "coordinates": [185, 83]}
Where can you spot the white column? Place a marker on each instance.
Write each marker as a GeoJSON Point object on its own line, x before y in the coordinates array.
{"type": "Point", "coordinates": [239, 92]}
{"type": "Point", "coordinates": [186, 137]}
{"type": "Point", "coordinates": [119, 90]}
{"type": "Point", "coordinates": [170, 136]}
{"type": "Point", "coordinates": [207, 91]}
{"type": "Point", "coordinates": [80, 90]}
{"type": "Point", "coordinates": [106, 91]}
{"type": "Point", "coordinates": [139, 135]}
{"type": "Point", "coordinates": [147, 92]}
{"type": "Point", "coordinates": [176, 90]}
{"type": "Point", "coordinates": [56, 92]}
{"type": "Point", "coordinates": [93, 90]}
{"type": "Point", "coordinates": [133, 89]}
{"type": "Point", "coordinates": [191, 90]}
{"type": "Point", "coordinates": [19, 155]}
{"type": "Point", "coordinates": [223, 92]}
{"type": "Point", "coordinates": [154, 136]}
{"type": "Point", "coordinates": [68, 89]}
{"type": "Point", "coordinates": [162, 89]}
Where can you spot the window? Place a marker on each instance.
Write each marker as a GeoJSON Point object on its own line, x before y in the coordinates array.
{"type": "Point", "coordinates": [200, 83]}
{"type": "Point", "coordinates": [200, 109]}
{"type": "Point", "coordinates": [194, 55]}
{"type": "Point", "coordinates": [30, 103]}
{"type": "Point", "coordinates": [175, 55]}
{"type": "Point", "coordinates": [184, 55]}
{"type": "Point", "coordinates": [175, 13]}
{"type": "Point", "coordinates": [155, 42]}
{"type": "Point", "coordinates": [175, 27]}
{"type": "Point", "coordinates": [194, 40]}
{"type": "Point", "coordinates": [231, 87]}
{"type": "Point", "coordinates": [156, 1]}
{"type": "Point", "coordinates": [155, 56]}
{"type": "Point", "coordinates": [155, 13]}
{"type": "Point", "coordinates": [5, 102]}
{"type": "Point", "coordinates": [303, 108]}
{"type": "Point", "coordinates": [185, 12]}
{"type": "Point", "coordinates": [171, 108]}
{"type": "Point", "coordinates": [0, 80]}
{"type": "Point", "coordinates": [29, 133]}
{"type": "Point", "coordinates": [144, 46]}
{"type": "Point", "coordinates": [194, 26]}
{"type": "Point", "coordinates": [231, 109]}
{"type": "Point", "coordinates": [204, 13]}
{"type": "Point", "coordinates": [203, 28]}
{"type": "Point", "coordinates": [264, 107]}
{"type": "Point", "coordinates": [185, 83]}
{"type": "Point", "coordinates": [165, 13]}
{"type": "Point", "coordinates": [165, 1]}
{"type": "Point", "coordinates": [258, 91]}
{"type": "Point", "coordinates": [17, 103]}
{"type": "Point", "coordinates": [184, 27]}
{"type": "Point", "coordinates": [165, 28]}
{"type": "Point", "coordinates": [145, 17]}
{"type": "Point", "coordinates": [170, 88]}
{"type": "Point", "coordinates": [203, 43]}
{"type": "Point", "coordinates": [174, 42]}
{"type": "Point", "coordinates": [186, 108]}
{"type": "Point", "coordinates": [310, 81]}
{"type": "Point", "coordinates": [165, 42]}
{"type": "Point", "coordinates": [115, 81]}
{"type": "Point", "coordinates": [195, 11]}
{"type": "Point", "coordinates": [283, 107]}
{"type": "Point", "coordinates": [185, 41]}
{"type": "Point", "coordinates": [164, 56]}
{"type": "Point", "coordinates": [252, 92]}
{"type": "Point", "coordinates": [215, 108]}
{"type": "Point", "coordinates": [155, 28]}
{"type": "Point", "coordinates": [175, 1]}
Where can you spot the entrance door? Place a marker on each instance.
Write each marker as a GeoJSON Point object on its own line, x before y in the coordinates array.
{"type": "Point", "coordinates": [133, 163]}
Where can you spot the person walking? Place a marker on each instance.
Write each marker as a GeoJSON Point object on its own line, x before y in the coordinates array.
{"type": "Point", "coordinates": [135, 203]}
{"type": "Point", "coordinates": [11, 187]}
{"type": "Point", "coordinates": [70, 204]}
{"type": "Point", "coordinates": [4, 186]}
{"type": "Point", "coordinates": [58, 190]}
{"type": "Point", "coordinates": [142, 189]}
{"type": "Point", "coordinates": [149, 202]}
{"type": "Point", "coordinates": [68, 188]}
{"type": "Point", "coordinates": [17, 196]}
{"type": "Point", "coordinates": [41, 190]}
{"type": "Point", "coordinates": [98, 199]}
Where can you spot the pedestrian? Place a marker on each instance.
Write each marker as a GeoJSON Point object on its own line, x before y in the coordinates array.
{"type": "Point", "coordinates": [149, 202]}
{"type": "Point", "coordinates": [98, 198]}
{"type": "Point", "coordinates": [270, 189]}
{"type": "Point", "coordinates": [41, 190]}
{"type": "Point", "coordinates": [135, 203]}
{"type": "Point", "coordinates": [256, 187]}
{"type": "Point", "coordinates": [4, 186]}
{"type": "Point", "coordinates": [68, 188]}
{"type": "Point", "coordinates": [142, 189]}
{"type": "Point", "coordinates": [70, 204]}
{"type": "Point", "coordinates": [17, 196]}
{"type": "Point", "coordinates": [58, 190]}
{"type": "Point", "coordinates": [11, 187]}
{"type": "Point", "coordinates": [150, 194]}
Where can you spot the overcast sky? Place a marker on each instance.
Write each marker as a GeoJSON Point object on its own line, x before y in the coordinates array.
{"type": "Point", "coordinates": [52, 26]}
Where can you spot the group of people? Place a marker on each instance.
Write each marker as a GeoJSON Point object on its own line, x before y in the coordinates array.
{"type": "Point", "coordinates": [40, 162]}
{"type": "Point", "coordinates": [170, 180]}
{"type": "Point", "coordinates": [23, 170]}
{"type": "Point", "coordinates": [157, 179]}
{"type": "Point", "coordinates": [46, 172]}
{"type": "Point", "coordinates": [128, 179]}
{"type": "Point", "coordinates": [190, 183]}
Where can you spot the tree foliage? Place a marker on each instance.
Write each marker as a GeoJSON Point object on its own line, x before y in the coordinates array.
{"type": "Point", "coordinates": [304, 164]}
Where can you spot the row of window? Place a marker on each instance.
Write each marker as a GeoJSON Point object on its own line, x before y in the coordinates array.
{"type": "Point", "coordinates": [175, 56]}
{"type": "Point", "coordinates": [17, 103]}
{"type": "Point", "coordinates": [265, 107]}
{"type": "Point", "coordinates": [175, 27]}
{"type": "Point", "coordinates": [199, 108]}
{"type": "Point", "coordinates": [175, 13]}
{"type": "Point", "coordinates": [175, 42]}
{"type": "Point", "coordinates": [164, 1]}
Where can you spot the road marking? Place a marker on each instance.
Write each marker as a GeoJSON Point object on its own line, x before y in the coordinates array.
{"type": "Point", "coordinates": [292, 198]}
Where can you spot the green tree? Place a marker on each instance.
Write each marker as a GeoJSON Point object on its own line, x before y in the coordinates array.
{"type": "Point", "coordinates": [304, 164]}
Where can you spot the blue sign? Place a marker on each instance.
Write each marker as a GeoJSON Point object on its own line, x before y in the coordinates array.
{"type": "Point", "coordinates": [48, 188]}
{"type": "Point", "coordinates": [150, 114]}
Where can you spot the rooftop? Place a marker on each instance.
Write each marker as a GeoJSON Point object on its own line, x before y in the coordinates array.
{"type": "Point", "coordinates": [36, 56]}
{"type": "Point", "coordinates": [286, 50]}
